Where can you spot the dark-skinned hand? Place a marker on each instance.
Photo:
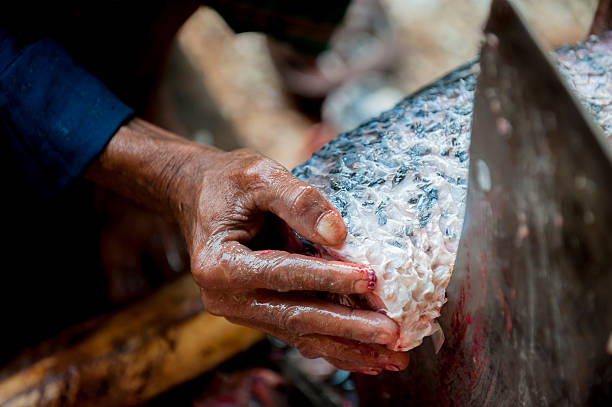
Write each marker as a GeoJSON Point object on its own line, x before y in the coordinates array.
{"type": "Point", "coordinates": [222, 201]}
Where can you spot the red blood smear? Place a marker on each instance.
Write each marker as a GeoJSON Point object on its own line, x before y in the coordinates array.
{"type": "Point", "coordinates": [464, 355]}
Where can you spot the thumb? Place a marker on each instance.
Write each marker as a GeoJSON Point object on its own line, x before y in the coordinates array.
{"type": "Point", "coordinates": [305, 210]}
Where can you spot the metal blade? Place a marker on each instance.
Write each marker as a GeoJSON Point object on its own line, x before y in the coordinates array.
{"type": "Point", "coordinates": [529, 313]}
{"type": "Point", "coordinates": [535, 253]}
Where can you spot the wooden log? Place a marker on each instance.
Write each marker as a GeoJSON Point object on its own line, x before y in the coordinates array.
{"type": "Point", "coordinates": [129, 356]}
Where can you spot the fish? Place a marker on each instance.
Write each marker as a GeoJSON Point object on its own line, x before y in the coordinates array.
{"type": "Point", "coordinates": [399, 181]}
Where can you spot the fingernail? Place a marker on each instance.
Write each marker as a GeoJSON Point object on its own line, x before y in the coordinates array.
{"type": "Point", "coordinates": [384, 338]}
{"type": "Point", "coordinates": [393, 368]}
{"type": "Point", "coordinates": [371, 279]}
{"type": "Point", "coordinates": [371, 276]}
{"type": "Point", "coordinates": [372, 372]}
{"type": "Point", "coordinates": [327, 228]}
{"type": "Point", "coordinates": [363, 286]}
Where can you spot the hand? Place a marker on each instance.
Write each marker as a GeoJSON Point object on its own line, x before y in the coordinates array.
{"type": "Point", "coordinates": [258, 288]}
{"type": "Point", "coordinates": [221, 201]}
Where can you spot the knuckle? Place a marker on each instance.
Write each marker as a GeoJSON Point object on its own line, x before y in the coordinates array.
{"type": "Point", "coordinates": [275, 275]}
{"type": "Point", "coordinates": [305, 198]}
{"type": "Point", "coordinates": [230, 266]}
{"type": "Point", "coordinates": [213, 310]}
{"type": "Point", "coordinates": [228, 271]}
{"type": "Point", "coordinates": [290, 319]}
{"type": "Point", "coordinates": [211, 305]}
{"type": "Point", "coordinates": [203, 268]}
{"type": "Point", "coordinates": [240, 161]}
{"type": "Point", "coordinates": [254, 171]}
{"type": "Point", "coordinates": [199, 269]}
{"type": "Point", "coordinates": [221, 303]}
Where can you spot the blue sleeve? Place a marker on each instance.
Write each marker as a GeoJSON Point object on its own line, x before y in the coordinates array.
{"type": "Point", "coordinates": [55, 117]}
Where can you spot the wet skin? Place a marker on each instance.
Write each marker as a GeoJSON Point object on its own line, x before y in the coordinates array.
{"type": "Point", "coordinates": [220, 200]}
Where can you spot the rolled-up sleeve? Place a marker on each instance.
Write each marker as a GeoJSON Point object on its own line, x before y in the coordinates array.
{"type": "Point", "coordinates": [55, 117]}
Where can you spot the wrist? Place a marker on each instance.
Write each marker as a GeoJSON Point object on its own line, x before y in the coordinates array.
{"type": "Point", "coordinates": [153, 167]}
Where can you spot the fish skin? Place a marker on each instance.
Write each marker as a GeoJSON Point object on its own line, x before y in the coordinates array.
{"type": "Point", "coordinates": [400, 183]}
{"type": "Point", "coordinates": [588, 68]}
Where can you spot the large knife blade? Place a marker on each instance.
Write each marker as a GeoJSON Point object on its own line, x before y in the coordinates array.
{"type": "Point", "coordinates": [534, 262]}
{"type": "Point", "coordinates": [529, 313]}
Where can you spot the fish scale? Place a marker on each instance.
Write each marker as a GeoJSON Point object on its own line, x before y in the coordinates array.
{"type": "Point", "coordinates": [400, 183]}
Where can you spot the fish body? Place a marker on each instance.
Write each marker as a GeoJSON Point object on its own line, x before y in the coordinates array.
{"type": "Point", "coordinates": [400, 183]}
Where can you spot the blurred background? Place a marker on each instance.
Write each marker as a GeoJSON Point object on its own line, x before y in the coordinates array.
{"type": "Point", "coordinates": [245, 90]}
{"type": "Point", "coordinates": [223, 89]}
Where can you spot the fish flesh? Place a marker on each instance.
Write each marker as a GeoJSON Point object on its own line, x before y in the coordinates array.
{"type": "Point", "coordinates": [588, 69]}
{"type": "Point", "coordinates": [400, 183]}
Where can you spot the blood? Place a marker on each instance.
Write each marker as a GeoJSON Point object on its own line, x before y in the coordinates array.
{"type": "Point", "coordinates": [464, 356]}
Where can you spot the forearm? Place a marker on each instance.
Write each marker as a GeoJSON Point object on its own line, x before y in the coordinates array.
{"type": "Point", "coordinates": [152, 166]}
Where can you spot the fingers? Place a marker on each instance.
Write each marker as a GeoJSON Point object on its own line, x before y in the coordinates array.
{"type": "Point", "coordinates": [303, 315]}
{"type": "Point", "coordinates": [347, 355]}
{"type": "Point", "coordinates": [237, 267]}
{"type": "Point", "coordinates": [374, 356]}
{"type": "Point", "coordinates": [304, 209]}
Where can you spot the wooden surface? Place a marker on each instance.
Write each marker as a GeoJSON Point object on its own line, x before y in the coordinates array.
{"type": "Point", "coordinates": [130, 356]}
